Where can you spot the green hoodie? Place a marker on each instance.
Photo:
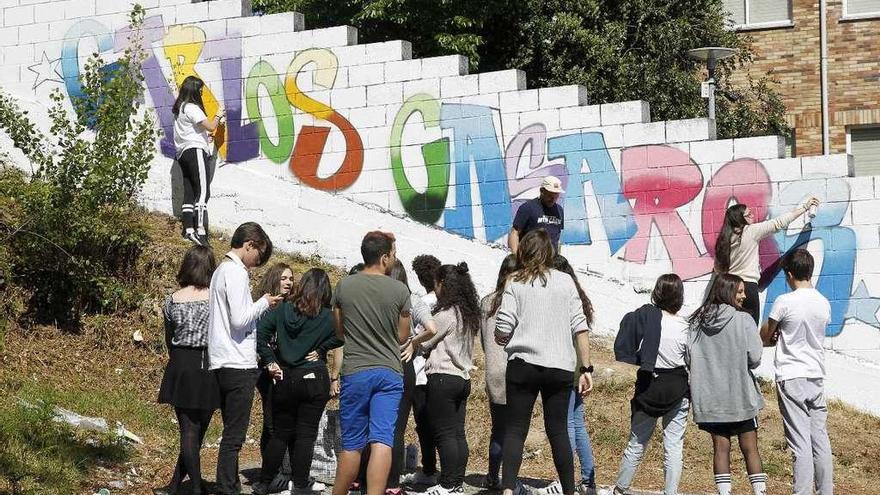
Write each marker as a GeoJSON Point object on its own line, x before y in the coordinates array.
{"type": "Point", "coordinates": [296, 335]}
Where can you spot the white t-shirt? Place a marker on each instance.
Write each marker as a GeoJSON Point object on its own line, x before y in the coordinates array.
{"type": "Point", "coordinates": [802, 316]}
{"type": "Point", "coordinates": [188, 130]}
{"type": "Point", "coordinates": [419, 361]}
{"type": "Point", "coordinates": [673, 342]}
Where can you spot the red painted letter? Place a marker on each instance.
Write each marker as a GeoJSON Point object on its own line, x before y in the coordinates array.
{"type": "Point", "coordinates": [661, 179]}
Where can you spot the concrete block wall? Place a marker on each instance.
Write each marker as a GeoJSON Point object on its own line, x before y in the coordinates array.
{"type": "Point", "coordinates": [328, 139]}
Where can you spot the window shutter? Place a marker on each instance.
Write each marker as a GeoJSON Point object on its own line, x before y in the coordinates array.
{"type": "Point", "coordinates": [768, 11]}
{"type": "Point", "coordinates": [854, 7]}
{"type": "Point", "coordinates": [865, 149]}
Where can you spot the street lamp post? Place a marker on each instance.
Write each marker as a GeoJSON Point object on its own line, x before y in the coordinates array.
{"type": "Point", "coordinates": [711, 55]}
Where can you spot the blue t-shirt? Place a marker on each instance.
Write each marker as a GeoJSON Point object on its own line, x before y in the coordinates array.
{"type": "Point", "coordinates": [533, 215]}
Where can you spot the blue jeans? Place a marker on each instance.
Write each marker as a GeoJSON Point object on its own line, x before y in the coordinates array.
{"type": "Point", "coordinates": [580, 439]}
{"type": "Point", "coordinates": [642, 427]}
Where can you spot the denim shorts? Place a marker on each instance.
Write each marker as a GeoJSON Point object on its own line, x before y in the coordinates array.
{"type": "Point", "coordinates": [368, 404]}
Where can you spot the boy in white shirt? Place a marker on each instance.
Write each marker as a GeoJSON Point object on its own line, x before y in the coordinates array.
{"type": "Point", "coordinates": [232, 343]}
{"type": "Point", "coordinates": [797, 327]}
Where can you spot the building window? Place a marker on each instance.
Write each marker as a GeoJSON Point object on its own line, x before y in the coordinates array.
{"type": "Point", "coordinates": [863, 143]}
{"type": "Point", "coordinates": [860, 8]}
{"type": "Point", "coordinates": [756, 14]}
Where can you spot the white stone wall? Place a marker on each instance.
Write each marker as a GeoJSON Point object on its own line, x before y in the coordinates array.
{"type": "Point", "coordinates": [328, 139]}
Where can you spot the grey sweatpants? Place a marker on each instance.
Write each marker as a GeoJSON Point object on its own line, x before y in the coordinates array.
{"type": "Point", "coordinates": [804, 412]}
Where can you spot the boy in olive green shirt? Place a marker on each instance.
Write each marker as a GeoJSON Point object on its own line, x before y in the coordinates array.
{"type": "Point", "coordinates": [372, 313]}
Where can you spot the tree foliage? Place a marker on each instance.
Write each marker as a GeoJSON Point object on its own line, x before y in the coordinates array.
{"type": "Point", "coordinates": [619, 49]}
{"type": "Point", "coordinates": [72, 229]}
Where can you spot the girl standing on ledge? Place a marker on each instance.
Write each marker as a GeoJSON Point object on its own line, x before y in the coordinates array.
{"type": "Point", "coordinates": [191, 140]}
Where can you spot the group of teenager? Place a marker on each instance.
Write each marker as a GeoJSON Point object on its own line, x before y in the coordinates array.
{"type": "Point", "coordinates": [395, 353]}
{"type": "Point", "coordinates": [705, 362]}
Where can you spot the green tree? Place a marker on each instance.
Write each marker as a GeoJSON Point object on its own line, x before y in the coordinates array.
{"type": "Point", "coordinates": [618, 49]}
{"type": "Point", "coordinates": [73, 230]}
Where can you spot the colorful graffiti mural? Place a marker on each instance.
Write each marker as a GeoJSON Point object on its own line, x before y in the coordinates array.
{"type": "Point", "coordinates": [474, 178]}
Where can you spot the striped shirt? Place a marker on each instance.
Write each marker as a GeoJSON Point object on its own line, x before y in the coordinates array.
{"type": "Point", "coordinates": [542, 320]}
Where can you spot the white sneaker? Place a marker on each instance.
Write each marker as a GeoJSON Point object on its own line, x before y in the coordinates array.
{"type": "Point", "coordinates": [420, 478]}
{"type": "Point", "coordinates": [437, 490]}
{"type": "Point", "coordinates": [314, 485]}
{"type": "Point", "coordinates": [554, 488]}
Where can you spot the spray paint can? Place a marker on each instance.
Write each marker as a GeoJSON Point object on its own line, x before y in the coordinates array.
{"type": "Point", "coordinates": [812, 211]}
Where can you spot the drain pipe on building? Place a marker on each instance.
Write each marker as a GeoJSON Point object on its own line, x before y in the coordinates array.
{"type": "Point", "coordinates": [823, 69]}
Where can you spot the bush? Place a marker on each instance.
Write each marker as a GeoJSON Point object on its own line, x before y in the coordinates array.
{"type": "Point", "coordinates": [73, 229]}
{"type": "Point", "coordinates": [43, 457]}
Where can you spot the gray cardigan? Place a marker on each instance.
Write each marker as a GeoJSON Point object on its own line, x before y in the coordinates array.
{"type": "Point", "coordinates": [721, 356]}
{"type": "Point", "coordinates": [541, 321]}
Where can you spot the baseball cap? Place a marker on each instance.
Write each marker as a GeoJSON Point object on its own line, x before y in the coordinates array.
{"type": "Point", "coordinates": [552, 184]}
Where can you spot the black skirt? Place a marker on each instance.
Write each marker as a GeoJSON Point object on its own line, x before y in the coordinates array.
{"type": "Point", "coordinates": [730, 429]}
{"type": "Point", "coordinates": [187, 382]}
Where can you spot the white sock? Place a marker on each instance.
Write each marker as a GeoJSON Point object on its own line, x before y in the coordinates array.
{"type": "Point", "coordinates": [759, 483]}
{"type": "Point", "coordinates": [722, 483]}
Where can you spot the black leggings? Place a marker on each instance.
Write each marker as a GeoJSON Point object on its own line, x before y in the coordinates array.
{"type": "Point", "coordinates": [193, 424]}
{"type": "Point", "coordinates": [524, 382]}
{"type": "Point", "coordinates": [196, 189]}
{"type": "Point", "coordinates": [406, 400]}
{"type": "Point", "coordinates": [447, 410]}
{"type": "Point", "coordinates": [752, 304]}
{"type": "Point", "coordinates": [264, 387]}
{"type": "Point", "coordinates": [424, 430]}
{"type": "Point", "coordinates": [298, 402]}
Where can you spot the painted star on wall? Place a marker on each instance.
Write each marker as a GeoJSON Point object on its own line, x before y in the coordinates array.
{"type": "Point", "coordinates": [863, 307]}
{"type": "Point", "coordinates": [46, 71]}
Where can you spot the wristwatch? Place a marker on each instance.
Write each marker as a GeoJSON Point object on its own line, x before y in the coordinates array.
{"type": "Point", "coordinates": [586, 369]}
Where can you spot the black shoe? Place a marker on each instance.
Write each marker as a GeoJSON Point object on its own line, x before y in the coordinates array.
{"type": "Point", "coordinates": [203, 238]}
{"type": "Point", "coordinates": [260, 488]}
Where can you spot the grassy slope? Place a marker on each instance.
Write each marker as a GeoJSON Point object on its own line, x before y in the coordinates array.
{"type": "Point", "coordinates": [103, 372]}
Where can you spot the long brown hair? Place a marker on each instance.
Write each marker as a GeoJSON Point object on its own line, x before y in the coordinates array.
{"type": "Point", "coordinates": [723, 291]}
{"type": "Point", "coordinates": [508, 266]}
{"type": "Point", "coordinates": [734, 222]}
{"type": "Point", "coordinates": [398, 272]}
{"type": "Point", "coordinates": [534, 257]}
{"type": "Point", "coordinates": [561, 263]}
{"type": "Point", "coordinates": [313, 292]}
